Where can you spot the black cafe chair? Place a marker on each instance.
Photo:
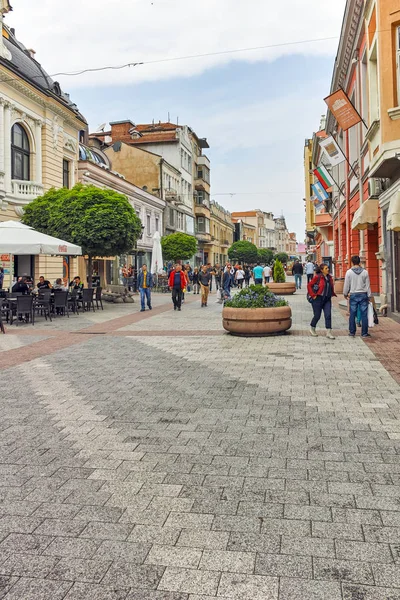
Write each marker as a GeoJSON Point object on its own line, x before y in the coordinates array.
{"type": "Point", "coordinates": [25, 308]}
{"type": "Point", "coordinates": [43, 303]}
{"type": "Point", "coordinates": [98, 298]}
{"type": "Point", "coordinates": [87, 299]}
{"type": "Point", "coordinates": [60, 305]}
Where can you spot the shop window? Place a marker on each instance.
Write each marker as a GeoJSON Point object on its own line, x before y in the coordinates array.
{"type": "Point", "coordinates": [20, 154]}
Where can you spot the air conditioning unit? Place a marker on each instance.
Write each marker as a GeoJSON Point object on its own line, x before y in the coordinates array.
{"type": "Point", "coordinates": [375, 187]}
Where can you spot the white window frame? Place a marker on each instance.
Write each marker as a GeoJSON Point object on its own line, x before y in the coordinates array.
{"type": "Point", "coordinates": [148, 223]}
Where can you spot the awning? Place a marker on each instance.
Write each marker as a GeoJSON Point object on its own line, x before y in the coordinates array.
{"type": "Point", "coordinates": [393, 216]}
{"type": "Point", "coordinates": [17, 238]}
{"type": "Point", "coordinates": [367, 214]}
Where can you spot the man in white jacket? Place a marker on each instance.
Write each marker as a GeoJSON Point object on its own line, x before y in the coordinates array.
{"type": "Point", "coordinates": [358, 287]}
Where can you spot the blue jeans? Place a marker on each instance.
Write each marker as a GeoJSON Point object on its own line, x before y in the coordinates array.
{"type": "Point", "coordinates": [319, 305]}
{"type": "Point", "coordinates": [359, 301]}
{"type": "Point", "coordinates": [298, 279]}
{"type": "Point", "coordinates": [145, 293]}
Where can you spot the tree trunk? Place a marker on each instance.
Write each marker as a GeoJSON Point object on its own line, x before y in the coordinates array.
{"type": "Point", "coordinates": [90, 270]}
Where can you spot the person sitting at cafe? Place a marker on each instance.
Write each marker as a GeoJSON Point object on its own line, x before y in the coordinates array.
{"type": "Point", "coordinates": [59, 285]}
{"type": "Point", "coordinates": [21, 286]}
{"type": "Point", "coordinates": [76, 284]}
{"type": "Point", "coordinates": [44, 284]}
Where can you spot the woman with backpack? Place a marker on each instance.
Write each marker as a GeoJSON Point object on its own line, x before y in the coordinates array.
{"type": "Point", "coordinates": [320, 292]}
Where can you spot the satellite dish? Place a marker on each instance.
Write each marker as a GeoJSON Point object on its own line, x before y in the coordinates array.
{"type": "Point", "coordinates": [101, 127]}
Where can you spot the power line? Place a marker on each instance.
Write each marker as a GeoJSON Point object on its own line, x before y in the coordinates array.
{"type": "Point", "coordinates": [190, 56]}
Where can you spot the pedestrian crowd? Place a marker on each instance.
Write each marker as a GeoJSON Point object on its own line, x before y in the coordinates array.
{"type": "Point", "coordinates": [183, 279]}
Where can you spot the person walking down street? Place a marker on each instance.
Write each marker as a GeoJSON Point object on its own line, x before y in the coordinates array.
{"type": "Point", "coordinates": [204, 280]}
{"type": "Point", "coordinates": [227, 282]}
{"type": "Point", "coordinates": [267, 273]}
{"type": "Point", "coordinates": [1, 277]}
{"type": "Point", "coordinates": [177, 283]}
{"type": "Point", "coordinates": [195, 281]}
{"type": "Point", "coordinates": [357, 286]}
{"type": "Point", "coordinates": [218, 276]}
{"type": "Point", "coordinates": [145, 283]}
{"type": "Point", "coordinates": [240, 277]}
{"type": "Point", "coordinates": [247, 276]}
{"type": "Point", "coordinates": [321, 289]}
{"type": "Point", "coordinates": [298, 272]}
{"type": "Point", "coordinates": [310, 271]}
{"type": "Point", "coordinates": [258, 273]}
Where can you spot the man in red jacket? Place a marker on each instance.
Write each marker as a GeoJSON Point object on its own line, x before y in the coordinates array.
{"type": "Point", "coordinates": [177, 283]}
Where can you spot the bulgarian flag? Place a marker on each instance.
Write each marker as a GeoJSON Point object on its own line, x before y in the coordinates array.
{"type": "Point", "coordinates": [323, 177]}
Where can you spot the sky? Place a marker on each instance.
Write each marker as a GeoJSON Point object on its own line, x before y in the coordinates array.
{"type": "Point", "coordinates": [255, 107]}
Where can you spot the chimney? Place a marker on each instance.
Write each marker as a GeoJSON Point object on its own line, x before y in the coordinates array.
{"type": "Point", "coordinates": [31, 52]}
{"type": "Point", "coordinates": [120, 131]}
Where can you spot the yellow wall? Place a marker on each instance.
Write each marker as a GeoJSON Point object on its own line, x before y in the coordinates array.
{"type": "Point", "coordinates": [137, 166]}
{"type": "Point", "coordinates": [308, 180]}
{"type": "Point", "coordinates": [388, 20]}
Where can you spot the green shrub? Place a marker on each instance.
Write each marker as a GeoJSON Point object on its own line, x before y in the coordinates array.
{"type": "Point", "coordinates": [256, 296]}
{"type": "Point", "coordinates": [279, 272]}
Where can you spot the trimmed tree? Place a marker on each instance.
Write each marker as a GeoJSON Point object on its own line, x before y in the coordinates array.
{"type": "Point", "coordinates": [279, 272]}
{"type": "Point", "coordinates": [282, 257]}
{"type": "Point", "coordinates": [244, 252]}
{"type": "Point", "coordinates": [265, 256]}
{"type": "Point", "coordinates": [178, 246]}
{"type": "Point", "coordinates": [100, 220]}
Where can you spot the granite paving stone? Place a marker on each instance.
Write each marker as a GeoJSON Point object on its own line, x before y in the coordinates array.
{"type": "Point", "coordinates": [219, 484]}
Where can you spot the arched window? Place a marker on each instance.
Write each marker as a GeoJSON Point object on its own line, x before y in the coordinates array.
{"type": "Point", "coordinates": [20, 153]}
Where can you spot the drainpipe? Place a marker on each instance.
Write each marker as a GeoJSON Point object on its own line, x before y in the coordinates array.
{"type": "Point", "coordinates": [161, 193]}
{"type": "Point", "coordinates": [348, 224]}
{"type": "Point", "coordinates": [360, 131]}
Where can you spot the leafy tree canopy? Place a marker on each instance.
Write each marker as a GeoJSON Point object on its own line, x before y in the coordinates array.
{"type": "Point", "coordinates": [100, 220]}
{"type": "Point", "coordinates": [244, 252]}
{"type": "Point", "coordinates": [279, 272]}
{"type": "Point", "coordinates": [282, 257]}
{"type": "Point", "coordinates": [178, 246]}
{"type": "Point", "coordinates": [265, 255]}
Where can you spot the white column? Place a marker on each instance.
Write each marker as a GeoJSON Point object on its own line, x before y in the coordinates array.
{"type": "Point", "coordinates": [2, 136]}
{"type": "Point", "coordinates": [38, 140]}
{"type": "Point", "coordinates": [7, 147]}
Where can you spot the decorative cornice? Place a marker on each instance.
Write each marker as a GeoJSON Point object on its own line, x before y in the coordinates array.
{"type": "Point", "coordinates": [374, 128]}
{"type": "Point", "coordinates": [44, 101]}
{"type": "Point", "coordinates": [394, 113]}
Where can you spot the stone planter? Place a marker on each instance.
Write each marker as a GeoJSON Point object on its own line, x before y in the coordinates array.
{"type": "Point", "coordinates": [339, 285]}
{"type": "Point", "coordinates": [257, 321]}
{"type": "Point", "coordinates": [282, 289]}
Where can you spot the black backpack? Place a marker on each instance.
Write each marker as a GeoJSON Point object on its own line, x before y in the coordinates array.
{"type": "Point", "coordinates": [315, 289]}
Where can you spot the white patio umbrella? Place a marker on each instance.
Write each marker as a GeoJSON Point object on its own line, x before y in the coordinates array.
{"type": "Point", "coordinates": [17, 238]}
{"type": "Point", "coordinates": [157, 263]}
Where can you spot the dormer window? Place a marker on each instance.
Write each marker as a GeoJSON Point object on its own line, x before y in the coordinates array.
{"type": "Point", "coordinates": [20, 154]}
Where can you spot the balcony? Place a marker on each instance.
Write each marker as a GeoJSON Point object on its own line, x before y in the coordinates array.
{"type": "Point", "coordinates": [202, 208]}
{"type": "Point", "coordinates": [224, 243]}
{"type": "Point", "coordinates": [171, 194]}
{"type": "Point", "coordinates": [25, 191]}
{"type": "Point", "coordinates": [203, 237]}
{"type": "Point", "coordinates": [203, 160]}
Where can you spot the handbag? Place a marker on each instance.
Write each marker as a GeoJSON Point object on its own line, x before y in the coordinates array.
{"type": "Point", "coordinates": [376, 320]}
{"type": "Point", "coordinates": [371, 322]}
{"type": "Point", "coordinates": [315, 288]}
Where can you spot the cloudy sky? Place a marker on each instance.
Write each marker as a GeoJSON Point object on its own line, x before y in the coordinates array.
{"type": "Point", "coordinates": [256, 107]}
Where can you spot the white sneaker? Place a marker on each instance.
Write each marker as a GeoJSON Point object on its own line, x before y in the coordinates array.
{"type": "Point", "coordinates": [313, 332]}
{"type": "Point", "coordinates": [330, 335]}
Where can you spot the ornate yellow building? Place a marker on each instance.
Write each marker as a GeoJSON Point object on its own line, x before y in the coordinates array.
{"type": "Point", "coordinates": [40, 128]}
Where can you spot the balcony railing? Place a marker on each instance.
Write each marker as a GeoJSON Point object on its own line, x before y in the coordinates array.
{"type": "Point", "coordinates": [26, 190]}
{"type": "Point", "coordinates": [202, 202]}
{"type": "Point", "coordinates": [224, 242]}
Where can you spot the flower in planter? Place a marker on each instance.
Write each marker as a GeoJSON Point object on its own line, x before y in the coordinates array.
{"type": "Point", "coordinates": [256, 296]}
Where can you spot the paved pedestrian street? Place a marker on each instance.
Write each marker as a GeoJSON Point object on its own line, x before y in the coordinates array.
{"type": "Point", "coordinates": [151, 456]}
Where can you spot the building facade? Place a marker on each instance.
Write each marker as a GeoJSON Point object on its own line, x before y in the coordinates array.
{"type": "Point", "coordinates": [95, 168]}
{"type": "Point", "coordinates": [382, 24]}
{"type": "Point", "coordinates": [40, 129]}
{"type": "Point", "coordinates": [175, 183]}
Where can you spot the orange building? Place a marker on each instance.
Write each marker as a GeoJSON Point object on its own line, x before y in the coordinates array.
{"type": "Point", "coordinates": [383, 34]}
{"type": "Point", "coordinates": [354, 208]}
